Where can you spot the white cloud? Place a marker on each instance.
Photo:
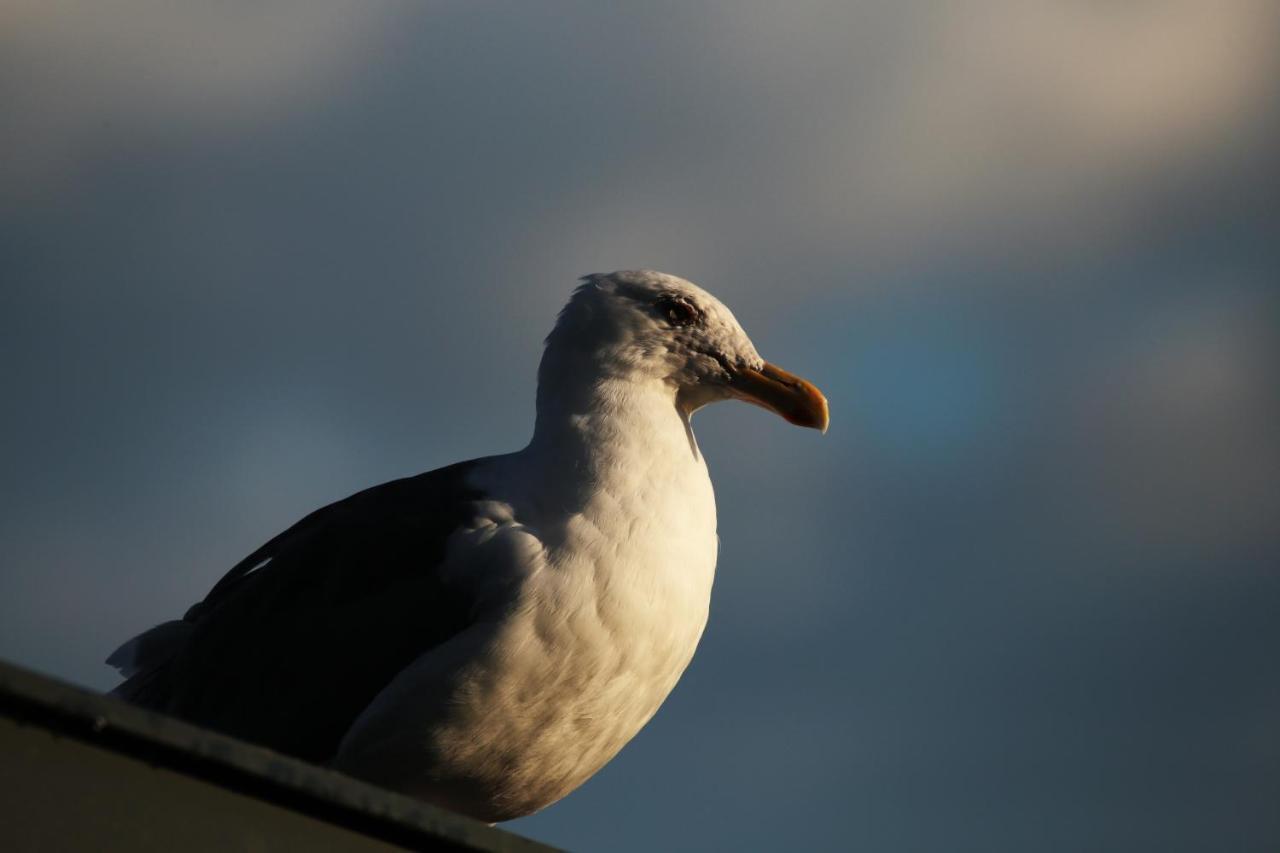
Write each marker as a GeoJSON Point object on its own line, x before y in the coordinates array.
{"type": "Point", "coordinates": [1100, 87]}
{"type": "Point", "coordinates": [82, 74]}
{"type": "Point", "coordinates": [884, 126]}
{"type": "Point", "coordinates": [890, 132]}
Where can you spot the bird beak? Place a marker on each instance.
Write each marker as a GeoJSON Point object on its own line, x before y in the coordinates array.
{"type": "Point", "coordinates": [783, 393]}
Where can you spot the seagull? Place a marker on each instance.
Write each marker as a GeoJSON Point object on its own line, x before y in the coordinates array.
{"type": "Point", "coordinates": [488, 635]}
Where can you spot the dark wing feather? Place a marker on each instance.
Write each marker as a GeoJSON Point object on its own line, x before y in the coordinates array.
{"type": "Point", "coordinates": [297, 639]}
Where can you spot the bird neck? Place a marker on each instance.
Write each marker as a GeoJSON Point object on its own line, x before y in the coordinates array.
{"type": "Point", "coordinates": [619, 452]}
{"type": "Point", "coordinates": [595, 425]}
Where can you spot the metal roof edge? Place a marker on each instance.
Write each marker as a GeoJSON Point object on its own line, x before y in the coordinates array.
{"type": "Point", "coordinates": [109, 723]}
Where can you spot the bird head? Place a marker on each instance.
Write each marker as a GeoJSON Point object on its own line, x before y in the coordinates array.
{"type": "Point", "coordinates": [650, 326]}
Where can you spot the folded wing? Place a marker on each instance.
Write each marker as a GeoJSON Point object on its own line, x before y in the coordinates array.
{"type": "Point", "coordinates": [297, 639]}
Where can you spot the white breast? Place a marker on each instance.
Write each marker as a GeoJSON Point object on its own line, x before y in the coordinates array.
{"type": "Point", "coordinates": [614, 569]}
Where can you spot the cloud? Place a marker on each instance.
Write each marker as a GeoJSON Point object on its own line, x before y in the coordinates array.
{"type": "Point", "coordinates": [884, 129]}
{"type": "Point", "coordinates": [1175, 424]}
{"type": "Point", "coordinates": [82, 75]}
{"type": "Point", "coordinates": [878, 134]}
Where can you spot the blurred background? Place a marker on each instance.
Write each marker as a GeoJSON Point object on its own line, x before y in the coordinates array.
{"type": "Point", "coordinates": [1025, 595]}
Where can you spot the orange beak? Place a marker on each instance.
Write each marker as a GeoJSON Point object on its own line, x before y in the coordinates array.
{"type": "Point", "coordinates": [783, 393]}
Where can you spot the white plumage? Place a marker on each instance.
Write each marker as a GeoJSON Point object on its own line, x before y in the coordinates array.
{"type": "Point", "coordinates": [583, 563]}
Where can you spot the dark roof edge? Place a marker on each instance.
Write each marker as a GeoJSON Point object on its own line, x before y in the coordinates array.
{"type": "Point", "coordinates": [254, 771]}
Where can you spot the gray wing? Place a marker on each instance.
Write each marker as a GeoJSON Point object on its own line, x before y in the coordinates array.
{"type": "Point", "coordinates": [297, 639]}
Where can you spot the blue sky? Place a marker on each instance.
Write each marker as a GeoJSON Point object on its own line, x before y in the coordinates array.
{"type": "Point", "coordinates": [1024, 594]}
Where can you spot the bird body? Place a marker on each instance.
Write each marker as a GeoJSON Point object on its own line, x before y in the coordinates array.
{"type": "Point", "coordinates": [611, 589]}
{"type": "Point", "coordinates": [488, 635]}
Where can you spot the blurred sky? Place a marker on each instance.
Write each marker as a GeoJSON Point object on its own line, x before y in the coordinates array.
{"type": "Point", "coordinates": [1025, 595]}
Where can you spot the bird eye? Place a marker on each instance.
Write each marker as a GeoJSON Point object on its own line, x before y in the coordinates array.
{"type": "Point", "coordinates": [677, 311]}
